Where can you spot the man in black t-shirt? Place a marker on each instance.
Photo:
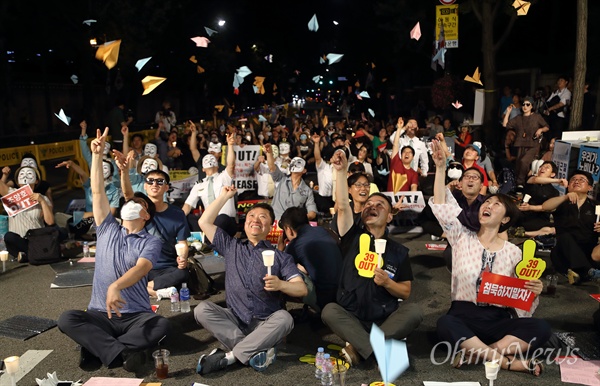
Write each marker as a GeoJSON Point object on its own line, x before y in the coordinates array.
{"type": "Point", "coordinates": [370, 289]}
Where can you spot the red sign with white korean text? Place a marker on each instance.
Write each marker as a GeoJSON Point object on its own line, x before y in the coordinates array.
{"type": "Point", "coordinates": [18, 200]}
{"type": "Point", "coordinates": [504, 291]}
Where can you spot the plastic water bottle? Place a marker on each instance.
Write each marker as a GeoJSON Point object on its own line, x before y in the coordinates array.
{"type": "Point", "coordinates": [174, 300]}
{"type": "Point", "coordinates": [327, 377]}
{"type": "Point", "coordinates": [319, 363]}
{"type": "Point", "coordinates": [86, 249]}
{"type": "Point", "coordinates": [184, 298]}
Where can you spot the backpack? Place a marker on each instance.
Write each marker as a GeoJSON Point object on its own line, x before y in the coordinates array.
{"type": "Point", "coordinates": [201, 285]}
{"type": "Point", "coordinates": [43, 246]}
{"type": "Point", "coordinates": [508, 182]}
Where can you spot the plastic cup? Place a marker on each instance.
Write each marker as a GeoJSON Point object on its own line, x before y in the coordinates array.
{"type": "Point", "coordinates": [161, 363]}
{"type": "Point", "coordinates": [339, 375]}
{"type": "Point", "coordinates": [268, 260]}
{"type": "Point", "coordinates": [3, 255]}
{"type": "Point", "coordinates": [526, 198]}
{"type": "Point", "coordinates": [332, 211]}
{"type": "Point", "coordinates": [380, 246]}
{"type": "Point", "coordinates": [491, 370]}
{"type": "Point", "coordinates": [180, 248]}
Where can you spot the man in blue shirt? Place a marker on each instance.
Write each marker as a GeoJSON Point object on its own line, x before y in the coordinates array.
{"type": "Point", "coordinates": [119, 323]}
{"type": "Point", "coordinates": [254, 320]}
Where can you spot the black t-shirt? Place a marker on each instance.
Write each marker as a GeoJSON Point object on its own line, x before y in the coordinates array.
{"type": "Point", "coordinates": [360, 295]}
{"type": "Point", "coordinates": [578, 222]}
{"type": "Point", "coordinates": [539, 193]}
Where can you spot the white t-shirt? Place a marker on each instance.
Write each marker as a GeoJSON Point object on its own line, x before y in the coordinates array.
{"type": "Point", "coordinates": [264, 181]}
{"type": "Point", "coordinates": [200, 191]}
{"type": "Point", "coordinates": [421, 159]}
{"type": "Point", "coordinates": [325, 178]}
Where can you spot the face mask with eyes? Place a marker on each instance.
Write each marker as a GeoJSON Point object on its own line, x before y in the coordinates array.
{"type": "Point", "coordinates": [26, 176]}
{"type": "Point", "coordinates": [148, 166]}
{"type": "Point", "coordinates": [29, 162]}
{"type": "Point", "coordinates": [106, 148]}
{"type": "Point", "coordinates": [106, 170]}
{"type": "Point", "coordinates": [150, 150]}
{"type": "Point", "coordinates": [131, 211]}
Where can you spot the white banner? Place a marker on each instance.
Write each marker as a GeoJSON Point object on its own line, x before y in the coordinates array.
{"type": "Point", "coordinates": [181, 183]}
{"type": "Point", "coordinates": [245, 157]}
{"type": "Point", "coordinates": [413, 201]}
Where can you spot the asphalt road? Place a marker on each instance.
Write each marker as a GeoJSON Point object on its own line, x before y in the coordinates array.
{"type": "Point", "coordinates": [26, 291]}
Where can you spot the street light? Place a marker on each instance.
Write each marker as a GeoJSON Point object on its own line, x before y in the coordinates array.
{"type": "Point", "coordinates": [221, 23]}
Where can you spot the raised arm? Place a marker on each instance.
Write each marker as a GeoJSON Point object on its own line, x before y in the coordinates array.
{"type": "Point", "coordinates": [399, 131]}
{"type": "Point", "coordinates": [194, 142]}
{"type": "Point", "coordinates": [554, 202]}
{"type": "Point", "coordinates": [207, 220]}
{"type": "Point", "coordinates": [3, 186]}
{"type": "Point", "coordinates": [101, 207]}
{"type": "Point", "coordinates": [85, 150]}
{"type": "Point", "coordinates": [345, 217]}
{"type": "Point", "coordinates": [76, 168]}
{"type": "Point", "coordinates": [123, 162]}
{"type": "Point", "coordinates": [230, 167]}
{"type": "Point", "coordinates": [125, 132]}
{"type": "Point", "coordinates": [439, 185]}
{"type": "Point", "coordinates": [270, 158]}
{"type": "Point", "coordinates": [316, 138]}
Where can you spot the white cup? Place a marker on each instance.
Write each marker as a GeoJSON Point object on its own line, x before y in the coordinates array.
{"type": "Point", "coordinates": [180, 248]}
{"type": "Point", "coordinates": [491, 370]}
{"type": "Point", "coordinates": [12, 364]}
{"type": "Point", "coordinates": [3, 255]}
{"type": "Point", "coordinates": [268, 258]}
{"type": "Point", "coordinates": [526, 198]}
{"type": "Point", "coordinates": [380, 246]}
{"type": "Point", "coordinates": [332, 211]}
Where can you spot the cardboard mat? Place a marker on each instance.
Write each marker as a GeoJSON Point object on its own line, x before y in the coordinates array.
{"type": "Point", "coordinates": [24, 327]}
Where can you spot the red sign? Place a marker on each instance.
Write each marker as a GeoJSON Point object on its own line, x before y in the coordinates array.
{"type": "Point", "coordinates": [596, 296]}
{"type": "Point", "coordinates": [18, 200]}
{"type": "Point", "coordinates": [505, 291]}
{"type": "Point", "coordinates": [447, 2]}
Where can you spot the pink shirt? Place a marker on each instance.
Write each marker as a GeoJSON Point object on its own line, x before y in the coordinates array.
{"type": "Point", "coordinates": [468, 254]}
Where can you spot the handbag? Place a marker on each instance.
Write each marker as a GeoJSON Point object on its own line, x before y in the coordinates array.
{"type": "Point", "coordinates": [43, 246]}
{"type": "Point", "coordinates": [201, 285]}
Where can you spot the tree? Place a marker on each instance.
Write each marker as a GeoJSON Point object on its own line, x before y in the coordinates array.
{"type": "Point", "coordinates": [580, 65]}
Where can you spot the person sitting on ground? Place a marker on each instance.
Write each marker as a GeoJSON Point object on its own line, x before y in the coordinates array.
{"type": "Point", "coordinates": [168, 224]}
{"type": "Point", "coordinates": [469, 160]}
{"type": "Point", "coordinates": [119, 323]}
{"type": "Point", "coordinates": [534, 220]}
{"type": "Point", "coordinates": [374, 297]}
{"type": "Point", "coordinates": [463, 139]}
{"type": "Point", "coordinates": [36, 216]}
{"type": "Point", "coordinates": [485, 163]}
{"type": "Point", "coordinates": [42, 187]}
{"type": "Point", "coordinates": [576, 230]}
{"type": "Point", "coordinates": [254, 321]}
{"type": "Point", "coordinates": [484, 332]}
{"type": "Point", "coordinates": [316, 254]}
{"type": "Point", "coordinates": [290, 191]}
{"type": "Point", "coordinates": [209, 189]}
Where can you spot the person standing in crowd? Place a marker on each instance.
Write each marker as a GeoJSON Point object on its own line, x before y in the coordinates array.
{"type": "Point", "coordinates": [117, 118]}
{"type": "Point", "coordinates": [420, 162]}
{"type": "Point", "coordinates": [557, 105]}
{"type": "Point", "coordinates": [323, 199]}
{"type": "Point", "coordinates": [119, 324]}
{"type": "Point", "coordinates": [167, 116]}
{"type": "Point", "coordinates": [529, 129]}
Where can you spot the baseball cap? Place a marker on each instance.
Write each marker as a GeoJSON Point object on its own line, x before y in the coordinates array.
{"type": "Point", "coordinates": [474, 147]}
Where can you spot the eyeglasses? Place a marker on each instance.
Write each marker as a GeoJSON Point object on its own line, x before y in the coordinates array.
{"type": "Point", "coordinates": [473, 177]}
{"type": "Point", "coordinates": [358, 185]}
{"type": "Point", "coordinates": [526, 104]}
{"type": "Point", "coordinates": [159, 181]}
{"type": "Point", "coordinates": [579, 180]}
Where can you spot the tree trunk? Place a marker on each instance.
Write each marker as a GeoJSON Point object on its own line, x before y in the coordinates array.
{"type": "Point", "coordinates": [580, 66]}
{"type": "Point", "coordinates": [489, 72]}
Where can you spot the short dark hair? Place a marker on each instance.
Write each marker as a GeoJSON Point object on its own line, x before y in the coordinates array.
{"type": "Point", "coordinates": [30, 155]}
{"type": "Point", "coordinates": [162, 173]}
{"type": "Point", "coordinates": [137, 135]}
{"type": "Point", "coordinates": [151, 208]}
{"type": "Point", "coordinates": [387, 199]}
{"type": "Point", "coordinates": [408, 147]}
{"type": "Point", "coordinates": [565, 77]}
{"type": "Point", "coordinates": [265, 206]}
{"type": "Point", "coordinates": [512, 211]}
{"type": "Point", "coordinates": [354, 178]}
{"type": "Point", "coordinates": [472, 168]}
{"type": "Point", "coordinates": [356, 167]}
{"type": "Point", "coordinates": [294, 218]}
{"type": "Point", "coordinates": [552, 165]}
{"type": "Point", "coordinates": [587, 175]}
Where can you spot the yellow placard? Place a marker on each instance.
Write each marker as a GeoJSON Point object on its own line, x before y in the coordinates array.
{"type": "Point", "coordinates": [447, 16]}
{"type": "Point", "coordinates": [176, 175]}
{"type": "Point", "coordinates": [366, 261]}
{"type": "Point", "coordinates": [530, 268]}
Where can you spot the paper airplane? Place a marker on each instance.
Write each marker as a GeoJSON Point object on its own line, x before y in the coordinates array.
{"type": "Point", "coordinates": [359, 97]}
{"type": "Point", "coordinates": [109, 53]}
{"type": "Point", "coordinates": [457, 105]}
{"type": "Point", "coordinates": [476, 78]}
{"type": "Point", "coordinates": [142, 62]}
{"type": "Point", "coordinates": [269, 58]}
{"type": "Point", "coordinates": [261, 118]}
{"type": "Point", "coordinates": [357, 84]}
{"type": "Point", "coordinates": [334, 58]}
{"type": "Point", "coordinates": [274, 86]}
{"type": "Point", "coordinates": [415, 33]}
{"type": "Point", "coordinates": [317, 78]}
{"type": "Point", "coordinates": [219, 108]}
{"type": "Point", "coordinates": [440, 57]}
{"type": "Point", "coordinates": [237, 49]}
{"type": "Point", "coordinates": [258, 82]}
{"type": "Point", "coordinates": [371, 112]}
{"type": "Point", "coordinates": [89, 22]}
{"type": "Point", "coordinates": [77, 217]}
{"type": "Point", "coordinates": [255, 89]}
{"type": "Point", "coordinates": [74, 79]}
{"type": "Point", "coordinates": [150, 83]}
{"type": "Point", "coordinates": [364, 94]}
{"type": "Point", "coordinates": [199, 69]}
{"type": "Point", "coordinates": [201, 41]}
{"type": "Point", "coordinates": [322, 60]}
{"type": "Point", "coordinates": [237, 80]}
{"type": "Point", "coordinates": [193, 59]}
{"type": "Point", "coordinates": [391, 355]}
{"type": "Point", "coordinates": [335, 22]}
{"type": "Point", "coordinates": [522, 7]}
{"type": "Point", "coordinates": [244, 71]}
{"type": "Point", "coordinates": [297, 72]}
{"type": "Point", "coordinates": [313, 24]}
{"type": "Point", "coordinates": [210, 31]}
{"type": "Point", "coordinates": [63, 117]}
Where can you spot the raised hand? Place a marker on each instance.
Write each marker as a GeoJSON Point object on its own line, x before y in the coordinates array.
{"type": "Point", "coordinates": [316, 138]}
{"type": "Point", "coordinates": [124, 130]}
{"type": "Point", "coordinates": [231, 139]}
{"type": "Point", "coordinates": [97, 145]}
{"type": "Point", "coordinates": [339, 161]}
{"type": "Point", "coordinates": [228, 191]}
{"type": "Point", "coordinates": [439, 157]}
{"type": "Point", "coordinates": [66, 164]}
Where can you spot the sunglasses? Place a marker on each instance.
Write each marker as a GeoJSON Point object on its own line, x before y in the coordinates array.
{"type": "Point", "coordinates": [527, 104]}
{"type": "Point", "coordinates": [159, 181]}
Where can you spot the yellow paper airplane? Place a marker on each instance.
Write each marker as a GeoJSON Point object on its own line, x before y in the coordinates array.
{"type": "Point", "coordinates": [325, 121]}
{"type": "Point", "coordinates": [258, 82]}
{"type": "Point", "coordinates": [476, 78]}
{"type": "Point", "coordinates": [109, 53]}
{"type": "Point", "coordinates": [357, 84]}
{"type": "Point", "coordinates": [193, 59]}
{"type": "Point", "coordinates": [150, 83]}
{"type": "Point", "coordinates": [274, 86]}
{"type": "Point", "coordinates": [200, 70]}
{"type": "Point", "coordinates": [522, 7]}
{"type": "Point", "coordinates": [219, 108]}
{"type": "Point", "coordinates": [237, 49]}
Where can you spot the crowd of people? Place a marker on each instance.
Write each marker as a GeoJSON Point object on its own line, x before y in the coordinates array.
{"type": "Point", "coordinates": [142, 248]}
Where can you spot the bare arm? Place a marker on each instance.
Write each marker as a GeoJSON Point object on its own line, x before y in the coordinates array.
{"type": "Point", "coordinates": [3, 186]}
{"type": "Point", "coordinates": [230, 167]}
{"type": "Point", "coordinates": [101, 207]}
{"type": "Point", "coordinates": [554, 202]}
{"type": "Point", "coordinates": [396, 144]}
{"type": "Point", "coordinates": [125, 132]}
{"type": "Point", "coordinates": [207, 220]}
{"type": "Point", "coordinates": [123, 165]}
{"type": "Point", "coordinates": [439, 185]}
{"type": "Point", "coordinates": [316, 138]}
{"type": "Point", "coordinates": [400, 290]}
{"type": "Point", "coordinates": [294, 287]}
{"type": "Point", "coordinates": [345, 217]}
{"type": "Point", "coordinates": [46, 208]}
{"type": "Point", "coordinates": [270, 158]}
{"type": "Point", "coordinates": [114, 301]}
{"type": "Point", "coordinates": [194, 142]}
{"type": "Point", "coordinates": [76, 168]}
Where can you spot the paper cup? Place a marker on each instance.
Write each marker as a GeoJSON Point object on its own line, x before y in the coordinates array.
{"type": "Point", "coordinates": [12, 364]}
{"type": "Point", "coordinates": [3, 255]}
{"type": "Point", "coordinates": [268, 258]}
{"type": "Point", "coordinates": [491, 370]}
{"type": "Point", "coordinates": [526, 198]}
{"type": "Point", "coordinates": [180, 248]}
{"type": "Point", "coordinates": [332, 211]}
{"type": "Point", "coordinates": [380, 246]}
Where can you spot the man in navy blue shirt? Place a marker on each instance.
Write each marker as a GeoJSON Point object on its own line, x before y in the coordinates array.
{"type": "Point", "coordinates": [254, 320]}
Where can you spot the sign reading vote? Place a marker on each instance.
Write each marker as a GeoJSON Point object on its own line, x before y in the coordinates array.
{"type": "Point", "coordinates": [18, 200]}
{"type": "Point", "coordinates": [504, 291]}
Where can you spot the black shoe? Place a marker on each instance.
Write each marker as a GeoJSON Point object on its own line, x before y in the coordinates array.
{"type": "Point", "coordinates": [88, 361]}
{"type": "Point", "coordinates": [212, 362]}
{"type": "Point", "coordinates": [133, 360]}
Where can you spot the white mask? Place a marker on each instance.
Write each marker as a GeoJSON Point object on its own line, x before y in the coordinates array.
{"type": "Point", "coordinates": [29, 162]}
{"type": "Point", "coordinates": [106, 170]}
{"type": "Point", "coordinates": [454, 173]}
{"type": "Point", "coordinates": [26, 176]}
{"type": "Point", "coordinates": [149, 165]}
{"type": "Point", "coordinates": [106, 148]}
{"type": "Point", "coordinates": [150, 150]}
{"type": "Point", "coordinates": [131, 211]}
{"type": "Point", "coordinates": [193, 171]}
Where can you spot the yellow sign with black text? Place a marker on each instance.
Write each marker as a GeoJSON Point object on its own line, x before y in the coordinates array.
{"type": "Point", "coordinates": [446, 16]}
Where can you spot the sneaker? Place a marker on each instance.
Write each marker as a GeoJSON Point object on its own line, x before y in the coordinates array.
{"type": "Point", "coordinates": [133, 361]}
{"type": "Point", "coordinates": [350, 355]}
{"type": "Point", "coordinates": [435, 238]}
{"type": "Point", "coordinates": [88, 361]}
{"type": "Point", "coordinates": [164, 293]}
{"type": "Point", "coordinates": [573, 277]}
{"type": "Point", "coordinates": [594, 275]}
{"type": "Point", "coordinates": [212, 362]}
{"type": "Point", "coordinates": [261, 360]}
